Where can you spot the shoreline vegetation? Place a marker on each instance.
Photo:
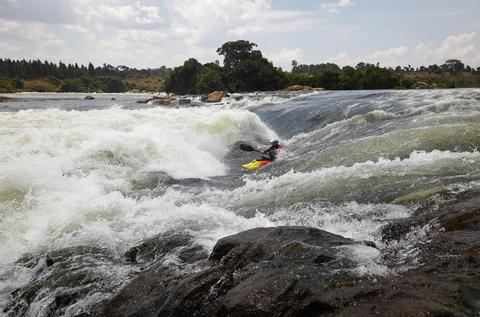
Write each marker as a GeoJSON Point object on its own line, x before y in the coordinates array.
{"type": "Point", "coordinates": [244, 69]}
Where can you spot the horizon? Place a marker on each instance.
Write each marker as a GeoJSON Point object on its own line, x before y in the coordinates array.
{"type": "Point", "coordinates": [151, 34]}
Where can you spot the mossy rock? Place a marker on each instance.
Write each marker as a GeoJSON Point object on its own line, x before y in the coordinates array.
{"type": "Point", "coordinates": [420, 195]}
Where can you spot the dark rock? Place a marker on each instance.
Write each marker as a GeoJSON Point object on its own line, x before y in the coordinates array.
{"type": "Point", "coordinates": [49, 261]}
{"type": "Point", "coordinates": [297, 271]}
{"type": "Point", "coordinates": [158, 246]}
{"type": "Point", "coordinates": [67, 276]}
{"type": "Point", "coordinates": [89, 98]}
{"type": "Point", "coordinates": [184, 101]}
{"type": "Point", "coordinates": [113, 98]}
{"type": "Point", "coordinates": [464, 220]}
{"type": "Point", "coordinates": [261, 272]}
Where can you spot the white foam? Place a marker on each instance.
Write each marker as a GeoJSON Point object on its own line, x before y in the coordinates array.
{"type": "Point", "coordinates": [62, 175]}
{"type": "Point", "coordinates": [350, 220]}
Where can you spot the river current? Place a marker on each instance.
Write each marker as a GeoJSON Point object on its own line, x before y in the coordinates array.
{"type": "Point", "coordinates": [105, 174]}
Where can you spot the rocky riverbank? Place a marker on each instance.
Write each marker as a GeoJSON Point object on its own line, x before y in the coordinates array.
{"type": "Point", "coordinates": [300, 271]}
{"type": "Point", "coordinates": [282, 271]}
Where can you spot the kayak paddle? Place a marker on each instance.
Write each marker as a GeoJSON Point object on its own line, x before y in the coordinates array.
{"type": "Point", "coordinates": [249, 148]}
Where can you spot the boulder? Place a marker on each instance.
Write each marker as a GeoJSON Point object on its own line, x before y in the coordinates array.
{"type": "Point", "coordinates": [216, 96]}
{"type": "Point", "coordinates": [282, 271]}
{"type": "Point", "coordinates": [89, 98]}
{"type": "Point", "coordinates": [300, 271]}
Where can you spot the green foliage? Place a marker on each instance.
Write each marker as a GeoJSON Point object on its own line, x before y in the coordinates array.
{"type": "Point", "coordinates": [6, 85]}
{"type": "Point", "coordinates": [255, 73]}
{"type": "Point", "coordinates": [209, 79]}
{"type": "Point", "coordinates": [183, 78]}
{"type": "Point", "coordinates": [114, 85]}
{"type": "Point", "coordinates": [237, 52]}
{"type": "Point", "coordinates": [49, 77]}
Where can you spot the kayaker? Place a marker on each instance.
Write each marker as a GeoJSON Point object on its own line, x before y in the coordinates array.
{"type": "Point", "coordinates": [272, 151]}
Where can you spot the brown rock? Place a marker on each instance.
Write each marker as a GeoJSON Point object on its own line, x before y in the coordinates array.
{"type": "Point", "coordinates": [5, 99]}
{"type": "Point", "coordinates": [216, 96]}
{"type": "Point", "coordinates": [89, 98]}
{"type": "Point", "coordinates": [162, 100]}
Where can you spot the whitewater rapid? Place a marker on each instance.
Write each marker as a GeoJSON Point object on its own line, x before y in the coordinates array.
{"type": "Point", "coordinates": [112, 174]}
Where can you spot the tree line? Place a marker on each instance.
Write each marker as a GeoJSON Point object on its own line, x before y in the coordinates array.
{"type": "Point", "coordinates": [48, 76]}
{"type": "Point", "coordinates": [245, 69]}
{"type": "Point", "coordinates": [33, 69]}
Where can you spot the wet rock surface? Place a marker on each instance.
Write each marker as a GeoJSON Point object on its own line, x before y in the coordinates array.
{"type": "Point", "coordinates": [280, 271]}
{"type": "Point", "coordinates": [299, 271]}
{"type": "Point", "coordinates": [65, 277]}
{"type": "Point", "coordinates": [61, 278]}
{"type": "Point", "coordinates": [261, 272]}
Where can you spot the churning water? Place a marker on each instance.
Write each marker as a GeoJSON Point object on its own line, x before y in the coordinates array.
{"type": "Point", "coordinates": [105, 174]}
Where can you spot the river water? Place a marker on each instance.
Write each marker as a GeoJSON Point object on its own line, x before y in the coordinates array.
{"type": "Point", "coordinates": [104, 174]}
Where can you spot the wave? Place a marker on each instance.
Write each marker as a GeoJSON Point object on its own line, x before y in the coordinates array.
{"type": "Point", "coordinates": [376, 181]}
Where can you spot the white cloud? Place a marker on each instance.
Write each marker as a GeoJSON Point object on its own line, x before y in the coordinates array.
{"type": "Point", "coordinates": [456, 46]}
{"type": "Point", "coordinates": [284, 57]}
{"type": "Point", "coordinates": [31, 31]}
{"type": "Point", "coordinates": [8, 3]}
{"type": "Point", "coordinates": [334, 7]}
{"type": "Point", "coordinates": [460, 46]}
{"type": "Point", "coordinates": [389, 57]}
{"type": "Point", "coordinates": [342, 59]}
{"type": "Point", "coordinates": [8, 49]}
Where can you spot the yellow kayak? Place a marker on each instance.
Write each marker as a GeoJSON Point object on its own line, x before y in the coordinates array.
{"type": "Point", "coordinates": [256, 164]}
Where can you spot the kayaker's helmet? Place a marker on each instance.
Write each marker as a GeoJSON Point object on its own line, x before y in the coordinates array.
{"type": "Point", "coordinates": [274, 143]}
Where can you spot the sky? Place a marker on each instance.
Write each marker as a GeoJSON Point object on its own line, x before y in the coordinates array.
{"type": "Point", "coordinates": [153, 33]}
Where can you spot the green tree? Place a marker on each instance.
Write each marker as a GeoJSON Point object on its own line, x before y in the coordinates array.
{"type": "Point", "coordinates": [209, 79]}
{"type": "Point", "coordinates": [245, 69]}
{"type": "Point", "coordinates": [349, 78]}
{"type": "Point", "coordinates": [237, 52]}
{"type": "Point", "coordinates": [183, 78]}
{"type": "Point", "coordinates": [114, 85]}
